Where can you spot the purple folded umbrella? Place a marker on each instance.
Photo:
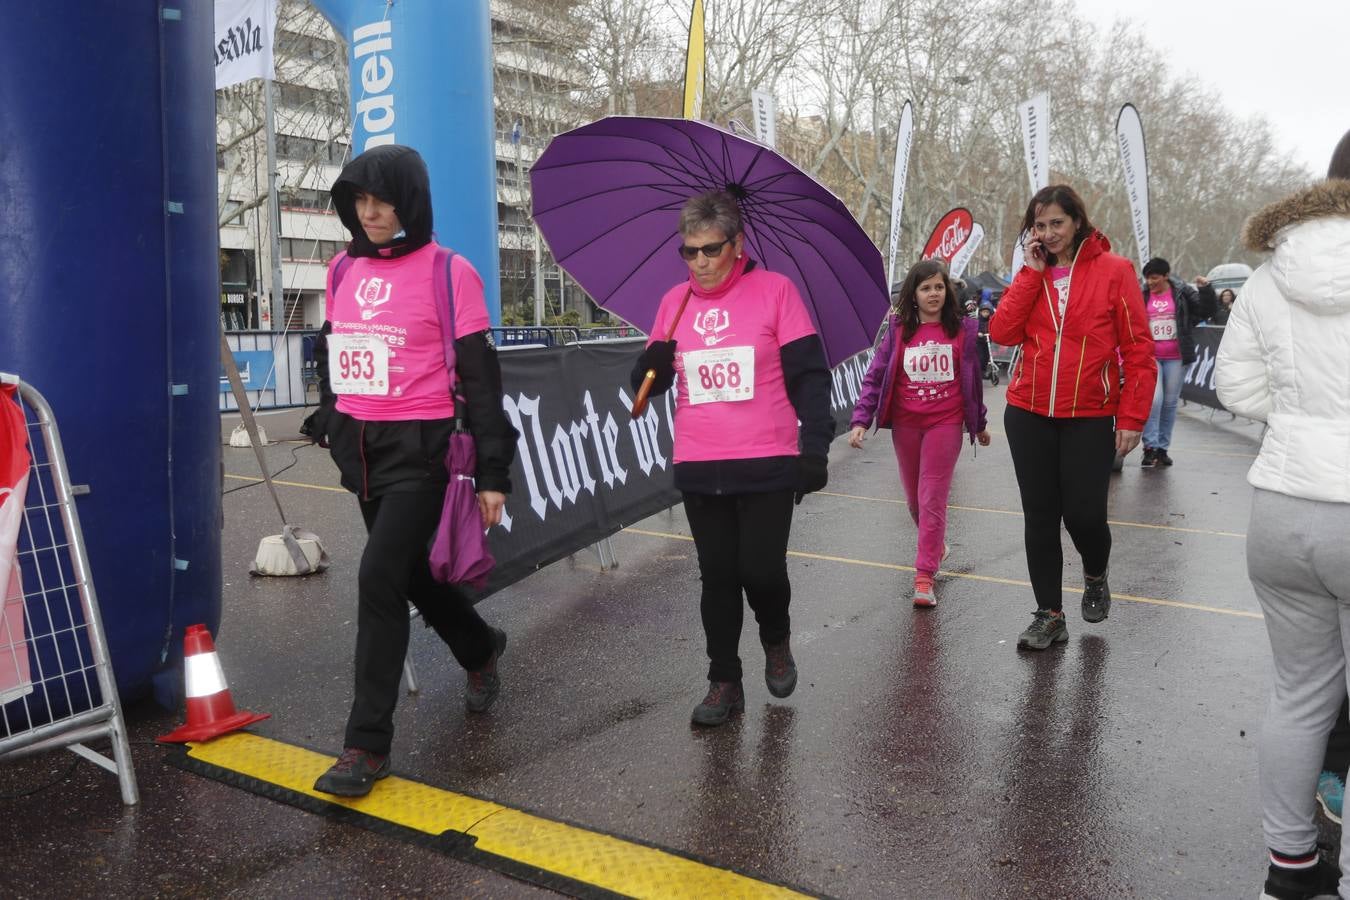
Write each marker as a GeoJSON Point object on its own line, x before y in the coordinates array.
{"type": "Point", "coordinates": [459, 552]}
{"type": "Point", "coordinates": [607, 199]}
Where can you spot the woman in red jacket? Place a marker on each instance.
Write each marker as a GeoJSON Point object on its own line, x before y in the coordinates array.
{"type": "Point", "coordinates": [1076, 309]}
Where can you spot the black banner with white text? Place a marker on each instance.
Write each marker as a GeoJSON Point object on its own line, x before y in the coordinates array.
{"type": "Point", "coordinates": [584, 469]}
{"type": "Point", "coordinates": [1197, 383]}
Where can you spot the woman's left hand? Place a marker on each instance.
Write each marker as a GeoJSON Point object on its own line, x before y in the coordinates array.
{"type": "Point", "coordinates": [1126, 441]}
{"type": "Point", "coordinates": [490, 505]}
{"type": "Point", "coordinates": [983, 438]}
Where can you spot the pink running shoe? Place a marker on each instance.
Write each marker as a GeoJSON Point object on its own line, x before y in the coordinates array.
{"type": "Point", "coordinates": [923, 591]}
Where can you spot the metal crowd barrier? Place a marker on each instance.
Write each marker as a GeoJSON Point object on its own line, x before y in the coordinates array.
{"type": "Point", "coordinates": [62, 692]}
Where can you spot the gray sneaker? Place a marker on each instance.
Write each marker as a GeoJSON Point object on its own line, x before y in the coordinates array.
{"type": "Point", "coordinates": [1096, 598]}
{"type": "Point", "coordinates": [723, 699]}
{"type": "Point", "coordinates": [1046, 628]}
{"type": "Point", "coordinates": [483, 685]}
{"type": "Point", "coordinates": [780, 670]}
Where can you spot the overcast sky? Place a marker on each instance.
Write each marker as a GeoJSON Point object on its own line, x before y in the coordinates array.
{"type": "Point", "coordinates": [1288, 60]}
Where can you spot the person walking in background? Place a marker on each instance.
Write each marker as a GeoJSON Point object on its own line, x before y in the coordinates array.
{"type": "Point", "coordinates": [925, 383]}
{"type": "Point", "coordinates": [1224, 308]}
{"type": "Point", "coordinates": [388, 420]}
{"type": "Point", "coordinates": [747, 366]}
{"type": "Point", "coordinates": [1076, 310]}
{"type": "Point", "coordinates": [1335, 763]}
{"type": "Point", "coordinates": [1174, 309]}
{"type": "Point", "coordinates": [1283, 362]}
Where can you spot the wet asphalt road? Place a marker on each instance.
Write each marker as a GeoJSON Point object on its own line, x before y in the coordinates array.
{"type": "Point", "coordinates": [921, 756]}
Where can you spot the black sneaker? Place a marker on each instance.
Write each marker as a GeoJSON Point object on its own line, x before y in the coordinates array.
{"type": "Point", "coordinates": [1301, 884]}
{"type": "Point", "coordinates": [1162, 458]}
{"type": "Point", "coordinates": [1046, 628]}
{"type": "Point", "coordinates": [1150, 458]}
{"type": "Point", "coordinates": [354, 774]}
{"type": "Point", "coordinates": [1096, 598]}
{"type": "Point", "coordinates": [780, 670]}
{"type": "Point", "coordinates": [724, 698]}
{"type": "Point", "coordinates": [484, 684]}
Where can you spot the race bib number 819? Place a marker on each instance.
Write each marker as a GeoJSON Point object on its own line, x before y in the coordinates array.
{"type": "Point", "coordinates": [723, 375]}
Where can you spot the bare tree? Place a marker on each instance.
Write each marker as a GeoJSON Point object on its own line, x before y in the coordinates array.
{"type": "Point", "coordinates": [311, 61]}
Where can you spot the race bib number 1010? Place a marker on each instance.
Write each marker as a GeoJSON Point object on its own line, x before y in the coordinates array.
{"type": "Point", "coordinates": [725, 374]}
{"type": "Point", "coordinates": [358, 364]}
{"type": "Point", "coordinates": [929, 363]}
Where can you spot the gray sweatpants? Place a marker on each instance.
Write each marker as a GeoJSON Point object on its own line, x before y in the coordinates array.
{"type": "Point", "coordinates": [1298, 558]}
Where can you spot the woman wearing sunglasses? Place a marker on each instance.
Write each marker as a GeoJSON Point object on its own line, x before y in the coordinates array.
{"type": "Point", "coordinates": [747, 366]}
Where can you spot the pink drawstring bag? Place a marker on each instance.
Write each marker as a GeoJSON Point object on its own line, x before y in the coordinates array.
{"type": "Point", "coordinates": [459, 551]}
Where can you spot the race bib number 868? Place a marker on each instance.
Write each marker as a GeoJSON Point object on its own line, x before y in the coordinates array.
{"type": "Point", "coordinates": [726, 374]}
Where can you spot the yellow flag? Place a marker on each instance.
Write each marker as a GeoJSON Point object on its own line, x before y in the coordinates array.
{"type": "Point", "coordinates": [693, 66]}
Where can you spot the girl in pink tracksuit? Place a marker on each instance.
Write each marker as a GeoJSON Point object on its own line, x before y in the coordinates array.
{"type": "Point", "coordinates": [924, 384]}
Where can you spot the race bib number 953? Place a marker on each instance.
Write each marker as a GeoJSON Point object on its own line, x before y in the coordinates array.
{"type": "Point", "coordinates": [358, 364]}
{"type": "Point", "coordinates": [725, 374]}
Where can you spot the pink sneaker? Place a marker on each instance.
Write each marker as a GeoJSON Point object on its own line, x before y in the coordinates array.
{"type": "Point", "coordinates": [923, 591]}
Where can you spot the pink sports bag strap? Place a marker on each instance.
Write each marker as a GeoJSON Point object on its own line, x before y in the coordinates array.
{"type": "Point", "coordinates": [443, 285]}
{"type": "Point", "coordinates": [337, 270]}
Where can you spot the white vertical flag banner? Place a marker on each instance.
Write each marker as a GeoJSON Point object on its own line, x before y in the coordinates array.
{"type": "Point", "coordinates": [962, 257]}
{"type": "Point", "coordinates": [904, 141]}
{"type": "Point", "coordinates": [1134, 159]}
{"type": "Point", "coordinates": [766, 111]}
{"type": "Point", "coordinates": [244, 40]}
{"type": "Point", "coordinates": [1034, 114]}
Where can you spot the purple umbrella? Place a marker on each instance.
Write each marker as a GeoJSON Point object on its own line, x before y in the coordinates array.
{"type": "Point", "coordinates": [459, 551]}
{"type": "Point", "coordinates": [607, 198]}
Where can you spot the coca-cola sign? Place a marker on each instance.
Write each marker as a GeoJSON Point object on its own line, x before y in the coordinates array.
{"type": "Point", "coordinates": [949, 235]}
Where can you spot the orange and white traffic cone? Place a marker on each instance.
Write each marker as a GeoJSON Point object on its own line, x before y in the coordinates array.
{"type": "Point", "coordinates": [210, 711]}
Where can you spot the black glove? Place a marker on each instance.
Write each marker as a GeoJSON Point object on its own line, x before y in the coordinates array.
{"type": "Point", "coordinates": [660, 355]}
{"type": "Point", "coordinates": [660, 358]}
{"type": "Point", "coordinates": [315, 426]}
{"type": "Point", "coordinates": [812, 475]}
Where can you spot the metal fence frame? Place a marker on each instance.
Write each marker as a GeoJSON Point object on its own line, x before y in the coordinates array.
{"type": "Point", "coordinates": [104, 719]}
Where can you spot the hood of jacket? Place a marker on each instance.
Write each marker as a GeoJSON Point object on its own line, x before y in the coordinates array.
{"type": "Point", "coordinates": [1309, 234]}
{"type": "Point", "coordinates": [396, 175]}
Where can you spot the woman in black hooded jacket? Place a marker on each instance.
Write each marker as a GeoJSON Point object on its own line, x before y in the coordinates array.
{"type": "Point", "coordinates": [387, 412]}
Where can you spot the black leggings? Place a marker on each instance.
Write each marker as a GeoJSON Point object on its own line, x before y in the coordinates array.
{"type": "Point", "coordinates": [1063, 472]}
{"type": "Point", "coordinates": [742, 547]}
{"type": "Point", "coordinates": [394, 573]}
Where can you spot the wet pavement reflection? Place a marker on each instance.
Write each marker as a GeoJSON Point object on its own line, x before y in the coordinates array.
{"type": "Point", "coordinates": [921, 756]}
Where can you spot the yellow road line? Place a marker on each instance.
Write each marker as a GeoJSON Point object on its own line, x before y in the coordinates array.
{"type": "Point", "coordinates": [520, 838]}
{"type": "Point", "coordinates": [967, 576]}
{"type": "Point", "coordinates": [1018, 513]}
{"type": "Point", "coordinates": [316, 487]}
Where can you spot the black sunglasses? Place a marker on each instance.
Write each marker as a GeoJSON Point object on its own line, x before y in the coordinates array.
{"type": "Point", "coordinates": [712, 251]}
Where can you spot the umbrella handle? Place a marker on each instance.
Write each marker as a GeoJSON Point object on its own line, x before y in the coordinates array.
{"type": "Point", "coordinates": [640, 403]}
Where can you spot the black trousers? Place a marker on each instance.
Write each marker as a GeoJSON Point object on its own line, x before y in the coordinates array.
{"type": "Point", "coordinates": [1063, 473]}
{"type": "Point", "coordinates": [395, 572]}
{"type": "Point", "coordinates": [742, 550]}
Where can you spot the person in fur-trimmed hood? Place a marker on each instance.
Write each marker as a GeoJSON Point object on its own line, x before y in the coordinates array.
{"type": "Point", "coordinates": [1285, 360]}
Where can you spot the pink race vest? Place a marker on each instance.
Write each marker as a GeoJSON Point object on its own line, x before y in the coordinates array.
{"type": "Point", "coordinates": [386, 357]}
{"type": "Point", "coordinates": [731, 400]}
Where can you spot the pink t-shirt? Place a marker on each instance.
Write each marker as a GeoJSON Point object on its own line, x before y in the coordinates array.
{"type": "Point", "coordinates": [928, 386]}
{"type": "Point", "coordinates": [1162, 320]}
{"type": "Point", "coordinates": [731, 400]}
{"type": "Point", "coordinates": [393, 300]}
{"type": "Point", "coordinates": [1059, 276]}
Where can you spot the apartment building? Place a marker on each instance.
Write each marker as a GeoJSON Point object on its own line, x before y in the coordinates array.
{"type": "Point", "coordinates": [536, 77]}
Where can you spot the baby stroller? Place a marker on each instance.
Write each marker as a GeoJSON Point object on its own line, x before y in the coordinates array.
{"type": "Point", "coordinates": [987, 364]}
